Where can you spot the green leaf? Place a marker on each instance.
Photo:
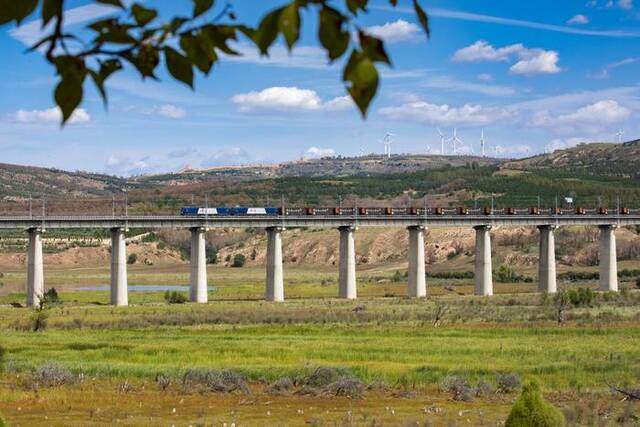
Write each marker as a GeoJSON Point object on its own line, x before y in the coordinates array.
{"type": "Point", "coordinates": [145, 59]}
{"type": "Point", "coordinates": [373, 47]}
{"type": "Point", "coordinates": [50, 8]}
{"type": "Point", "coordinates": [199, 50]}
{"type": "Point", "coordinates": [143, 15]}
{"type": "Point", "coordinates": [219, 35]}
{"type": "Point", "coordinates": [422, 17]}
{"type": "Point", "coordinates": [106, 69]}
{"type": "Point", "coordinates": [362, 78]}
{"type": "Point", "coordinates": [289, 24]}
{"type": "Point", "coordinates": [68, 94]}
{"type": "Point", "coordinates": [267, 31]}
{"type": "Point", "coordinates": [355, 5]}
{"type": "Point", "coordinates": [16, 10]}
{"type": "Point", "coordinates": [179, 66]}
{"type": "Point", "coordinates": [201, 6]}
{"type": "Point", "coordinates": [111, 2]}
{"type": "Point", "coordinates": [331, 34]}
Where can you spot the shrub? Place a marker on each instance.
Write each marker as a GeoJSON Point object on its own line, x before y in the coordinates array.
{"type": "Point", "coordinates": [638, 283]}
{"type": "Point", "coordinates": [39, 319]}
{"type": "Point", "coordinates": [2, 422]}
{"type": "Point", "coordinates": [581, 297]}
{"type": "Point", "coordinates": [239, 260]}
{"type": "Point", "coordinates": [132, 258]}
{"type": "Point", "coordinates": [532, 410]}
{"type": "Point", "coordinates": [280, 385]}
{"type": "Point", "coordinates": [50, 297]}
{"type": "Point", "coordinates": [175, 297]}
{"type": "Point", "coordinates": [397, 277]}
{"type": "Point", "coordinates": [53, 375]}
{"type": "Point", "coordinates": [212, 255]}
{"type": "Point", "coordinates": [508, 383]}
{"type": "Point", "coordinates": [323, 376]}
{"type": "Point", "coordinates": [218, 381]}
{"type": "Point", "coordinates": [458, 387]}
{"type": "Point", "coordinates": [347, 387]}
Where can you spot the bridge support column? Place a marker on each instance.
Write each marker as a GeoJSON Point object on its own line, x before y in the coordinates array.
{"type": "Point", "coordinates": [35, 269]}
{"type": "Point", "coordinates": [547, 260]}
{"type": "Point", "coordinates": [275, 277]}
{"type": "Point", "coordinates": [198, 289]}
{"type": "Point", "coordinates": [483, 270]}
{"type": "Point", "coordinates": [417, 280]}
{"type": "Point", "coordinates": [347, 267]}
{"type": "Point", "coordinates": [119, 291]}
{"type": "Point", "coordinates": [608, 260]}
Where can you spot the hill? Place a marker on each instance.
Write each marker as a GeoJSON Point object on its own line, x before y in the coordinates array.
{"type": "Point", "coordinates": [606, 159]}
{"type": "Point", "coordinates": [19, 181]}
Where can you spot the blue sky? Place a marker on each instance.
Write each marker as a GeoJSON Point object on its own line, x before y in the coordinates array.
{"type": "Point", "coordinates": [533, 75]}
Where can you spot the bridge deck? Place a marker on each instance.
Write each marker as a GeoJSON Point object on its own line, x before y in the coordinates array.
{"type": "Point", "coordinates": [331, 221]}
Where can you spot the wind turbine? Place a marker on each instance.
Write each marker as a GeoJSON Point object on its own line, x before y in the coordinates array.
{"type": "Point", "coordinates": [442, 141]}
{"type": "Point", "coordinates": [455, 139]}
{"type": "Point", "coordinates": [387, 144]}
{"type": "Point", "coordinates": [619, 135]}
{"type": "Point", "coordinates": [482, 142]}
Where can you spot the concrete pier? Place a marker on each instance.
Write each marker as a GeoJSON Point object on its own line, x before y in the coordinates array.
{"type": "Point", "coordinates": [119, 291]}
{"type": "Point", "coordinates": [347, 267]}
{"type": "Point", "coordinates": [275, 278]}
{"type": "Point", "coordinates": [608, 261]}
{"type": "Point", "coordinates": [198, 289]}
{"type": "Point", "coordinates": [483, 270]}
{"type": "Point", "coordinates": [417, 280]}
{"type": "Point", "coordinates": [547, 260]}
{"type": "Point", "coordinates": [35, 269]}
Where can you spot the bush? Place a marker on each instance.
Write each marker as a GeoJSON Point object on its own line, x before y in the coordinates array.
{"type": "Point", "coordinates": [175, 297]}
{"type": "Point", "coordinates": [397, 277]}
{"type": "Point", "coordinates": [50, 297]}
{"type": "Point", "coordinates": [212, 255]}
{"type": "Point", "coordinates": [532, 410]}
{"type": "Point", "coordinates": [239, 260]}
{"type": "Point", "coordinates": [3, 351]}
{"type": "Point", "coordinates": [459, 388]}
{"type": "Point", "coordinates": [53, 375]}
{"type": "Point", "coordinates": [218, 381]}
{"type": "Point", "coordinates": [2, 421]}
{"type": "Point", "coordinates": [508, 383]}
{"type": "Point", "coordinates": [281, 385]}
{"type": "Point", "coordinates": [581, 297]}
{"type": "Point", "coordinates": [638, 283]}
{"type": "Point", "coordinates": [132, 258]}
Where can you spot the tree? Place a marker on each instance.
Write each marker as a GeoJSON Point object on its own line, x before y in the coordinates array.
{"type": "Point", "coordinates": [532, 410]}
{"type": "Point", "coordinates": [238, 260]}
{"type": "Point", "coordinates": [134, 36]}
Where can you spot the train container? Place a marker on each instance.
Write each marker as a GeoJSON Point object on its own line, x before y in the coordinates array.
{"type": "Point", "coordinates": [510, 211]}
{"type": "Point", "coordinates": [487, 210]}
{"type": "Point", "coordinates": [463, 211]}
{"type": "Point", "coordinates": [603, 211]}
{"type": "Point", "coordinates": [438, 211]}
{"type": "Point", "coordinates": [534, 211]}
{"type": "Point", "coordinates": [624, 211]}
{"type": "Point", "coordinates": [581, 211]}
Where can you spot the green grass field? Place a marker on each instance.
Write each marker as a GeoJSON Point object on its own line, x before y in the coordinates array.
{"type": "Point", "coordinates": [381, 337]}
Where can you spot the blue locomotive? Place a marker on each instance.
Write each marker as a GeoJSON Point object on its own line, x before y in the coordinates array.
{"type": "Point", "coordinates": [196, 211]}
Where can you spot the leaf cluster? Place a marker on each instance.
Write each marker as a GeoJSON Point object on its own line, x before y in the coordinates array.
{"type": "Point", "coordinates": [135, 36]}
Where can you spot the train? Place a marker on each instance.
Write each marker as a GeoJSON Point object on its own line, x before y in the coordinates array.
{"type": "Point", "coordinates": [390, 211]}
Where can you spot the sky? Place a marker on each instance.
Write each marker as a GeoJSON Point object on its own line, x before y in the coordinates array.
{"type": "Point", "coordinates": [533, 76]}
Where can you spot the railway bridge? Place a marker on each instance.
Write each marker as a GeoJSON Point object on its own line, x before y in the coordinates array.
{"type": "Point", "coordinates": [347, 225]}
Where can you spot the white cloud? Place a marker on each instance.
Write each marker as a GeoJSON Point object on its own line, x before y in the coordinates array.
{"type": "Point", "coordinates": [394, 32]}
{"type": "Point", "coordinates": [425, 112]}
{"type": "Point", "coordinates": [449, 83]}
{"type": "Point", "coordinates": [483, 51]}
{"type": "Point", "coordinates": [30, 32]}
{"type": "Point", "coordinates": [227, 156]}
{"type": "Point", "coordinates": [625, 4]}
{"type": "Point", "coordinates": [280, 98]}
{"type": "Point", "coordinates": [561, 144]}
{"type": "Point", "coordinates": [606, 70]}
{"type": "Point", "coordinates": [125, 166]}
{"type": "Point", "coordinates": [50, 115]}
{"type": "Point", "coordinates": [591, 119]}
{"type": "Point", "coordinates": [538, 62]}
{"type": "Point", "coordinates": [498, 20]}
{"type": "Point", "coordinates": [485, 77]}
{"type": "Point", "coordinates": [311, 57]}
{"type": "Point", "coordinates": [530, 60]}
{"type": "Point", "coordinates": [317, 152]}
{"type": "Point", "coordinates": [578, 20]}
{"type": "Point", "coordinates": [168, 110]}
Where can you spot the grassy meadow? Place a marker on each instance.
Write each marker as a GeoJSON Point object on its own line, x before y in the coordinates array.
{"type": "Point", "coordinates": [403, 350]}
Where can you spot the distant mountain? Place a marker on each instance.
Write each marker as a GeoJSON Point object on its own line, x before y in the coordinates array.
{"type": "Point", "coordinates": [608, 159]}
{"type": "Point", "coordinates": [19, 181]}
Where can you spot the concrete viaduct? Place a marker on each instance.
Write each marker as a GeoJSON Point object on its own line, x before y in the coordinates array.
{"type": "Point", "coordinates": [347, 225]}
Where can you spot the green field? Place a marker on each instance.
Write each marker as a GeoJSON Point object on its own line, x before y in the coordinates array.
{"type": "Point", "coordinates": [381, 338]}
